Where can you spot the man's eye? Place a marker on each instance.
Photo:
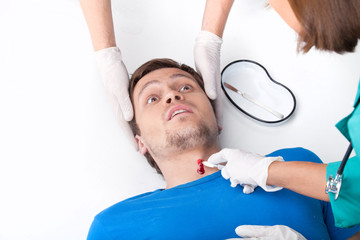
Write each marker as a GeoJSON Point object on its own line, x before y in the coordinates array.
{"type": "Point", "coordinates": [185, 88]}
{"type": "Point", "coordinates": [152, 99]}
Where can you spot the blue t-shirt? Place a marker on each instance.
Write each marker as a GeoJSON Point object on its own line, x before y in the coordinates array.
{"type": "Point", "coordinates": [209, 208]}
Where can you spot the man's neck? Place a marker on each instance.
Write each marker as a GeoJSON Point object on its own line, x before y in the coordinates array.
{"type": "Point", "coordinates": [181, 168]}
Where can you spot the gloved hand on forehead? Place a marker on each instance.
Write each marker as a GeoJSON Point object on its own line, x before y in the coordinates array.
{"type": "Point", "coordinates": [247, 169]}
{"type": "Point", "coordinates": [207, 62]}
{"type": "Point", "coordinates": [277, 232]}
{"type": "Point", "coordinates": [116, 81]}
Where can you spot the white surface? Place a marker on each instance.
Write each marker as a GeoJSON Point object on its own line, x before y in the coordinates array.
{"type": "Point", "coordinates": [62, 158]}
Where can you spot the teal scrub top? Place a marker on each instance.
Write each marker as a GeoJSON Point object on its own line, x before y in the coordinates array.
{"type": "Point", "coordinates": [347, 206]}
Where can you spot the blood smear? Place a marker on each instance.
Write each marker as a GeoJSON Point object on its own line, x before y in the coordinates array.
{"type": "Point", "coordinates": [201, 169]}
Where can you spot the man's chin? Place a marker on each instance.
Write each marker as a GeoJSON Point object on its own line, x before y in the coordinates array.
{"type": "Point", "coordinates": [189, 135]}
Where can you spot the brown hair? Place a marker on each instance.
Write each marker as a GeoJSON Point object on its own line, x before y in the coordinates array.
{"type": "Point", "coordinates": [149, 67]}
{"type": "Point", "coordinates": [328, 25]}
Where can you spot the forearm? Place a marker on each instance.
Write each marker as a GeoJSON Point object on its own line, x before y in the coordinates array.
{"type": "Point", "coordinates": [98, 17]}
{"type": "Point", "coordinates": [355, 236]}
{"type": "Point", "coordinates": [215, 16]}
{"type": "Point", "coordinates": [305, 178]}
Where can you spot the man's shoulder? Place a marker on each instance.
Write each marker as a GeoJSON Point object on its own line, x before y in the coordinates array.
{"type": "Point", "coordinates": [296, 154]}
{"type": "Point", "coordinates": [121, 217]}
{"type": "Point", "coordinates": [127, 205]}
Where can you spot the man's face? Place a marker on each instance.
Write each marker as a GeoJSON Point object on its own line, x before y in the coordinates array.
{"type": "Point", "coordinates": [172, 112]}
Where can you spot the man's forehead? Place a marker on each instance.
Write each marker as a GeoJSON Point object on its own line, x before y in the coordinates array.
{"type": "Point", "coordinates": [165, 74]}
{"type": "Point", "coordinates": [161, 75]}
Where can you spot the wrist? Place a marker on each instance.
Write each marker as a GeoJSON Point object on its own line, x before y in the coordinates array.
{"type": "Point", "coordinates": [263, 174]}
{"type": "Point", "coordinates": [273, 174]}
{"type": "Point", "coordinates": [107, 57]}
{"type": "Point", "coordinates": [215, 16]}
{"type": "Point", "coordinates": [208, 36]}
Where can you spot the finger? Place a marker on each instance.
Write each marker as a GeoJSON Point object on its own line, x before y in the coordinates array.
{"type": "Point", "coordinates": [210, 86]}
{"type": "Point", "coordinates": [217, 158]}
{"type": "Point", "coordinates": [253, 231]}
{"type": "Point", "coordinates": [209, 77]}
{"type": "Point", "coordinates": [127, 109]}
{"type": "Point", "coordinates": [248, 189]}
{"type": "Point", "coordinates": [234, 182]}
{"type": "Point", "coordinates": [123, 94]}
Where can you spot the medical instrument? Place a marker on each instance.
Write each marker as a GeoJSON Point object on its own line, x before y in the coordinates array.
{"type": "Point", "coordinates": [257, 95]}
{"type": "Point", "coordinates": [211, 165]}
{"type": "Point", "coordinates": [333, 185]}
{"type": "Point", "coordinates": [253, 100]}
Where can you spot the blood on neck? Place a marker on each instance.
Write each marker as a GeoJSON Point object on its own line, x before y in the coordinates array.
{"type": "Point", "coordinates": [201, 169]}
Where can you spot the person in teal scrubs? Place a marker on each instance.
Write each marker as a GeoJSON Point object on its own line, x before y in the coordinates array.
{"type": "Point", "coordinates": [325, 26]}
{"type": "Point", "coordinates": [346, 207]}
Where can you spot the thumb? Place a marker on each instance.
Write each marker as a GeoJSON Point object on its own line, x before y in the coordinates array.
{"type": "Point", "coordinates": [234, 182]}
{"type": "Point", "coordinates": [225, 173]}
{"type": "Point", "coordinates": [222, 156]}
{"type": "Point", "coordinates": [217, 158]}
{"type": "Point", "coordinates": [253, 231]}
{"type": "Point", "coordinates": [248, 189]}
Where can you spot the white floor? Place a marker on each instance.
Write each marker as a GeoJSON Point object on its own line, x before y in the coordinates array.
{"type": "Point", "coordinates": [62, 157]}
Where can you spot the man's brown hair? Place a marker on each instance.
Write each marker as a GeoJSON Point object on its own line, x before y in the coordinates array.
{"type": "Point", "coordinates": [328, 25]}
{"type": "Point", "coordinates": [147, 68]}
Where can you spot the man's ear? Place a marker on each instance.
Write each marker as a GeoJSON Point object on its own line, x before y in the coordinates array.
{"type": "Point", "coordinates": [142, 146]}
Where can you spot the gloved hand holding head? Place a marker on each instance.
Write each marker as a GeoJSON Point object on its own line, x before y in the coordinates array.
{"type": "Point", "coordinates": [116, 81]}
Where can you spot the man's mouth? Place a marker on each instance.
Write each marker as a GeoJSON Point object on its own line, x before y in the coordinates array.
{"type": "Point", "coordinates": [178, 109]}
{"type": "Point", "coordinates": [177, 112]}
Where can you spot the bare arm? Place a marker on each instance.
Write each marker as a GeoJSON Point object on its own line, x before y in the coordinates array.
{"type": "Point", "coordinates": [99, 20]}
{"type": "Point", "coordinates": [305, 178]}
{"type": "Point", "coordinates": [355, 236]}
{"type": "Point", "coordinates": [215, 16]}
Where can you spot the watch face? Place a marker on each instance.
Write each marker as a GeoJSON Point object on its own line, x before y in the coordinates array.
{"type": "Point", "coordinates": [250, 88]}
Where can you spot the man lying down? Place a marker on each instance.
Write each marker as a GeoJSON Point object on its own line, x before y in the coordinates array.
{"type": "Point", "coordinates": [175, 126]}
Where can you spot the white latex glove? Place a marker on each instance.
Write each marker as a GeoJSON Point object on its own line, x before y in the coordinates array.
{"type": "Point", "coordinates": [207, 62]}
{"type": "Point", "coordinates": [247, 169]}
{"type": "Point", "coordinates": [116, 81]}
{"type": "Point", "coordinates": [277, 232]}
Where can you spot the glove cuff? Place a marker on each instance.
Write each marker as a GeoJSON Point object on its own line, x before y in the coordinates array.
{"type": "Point", "coordinates": [107, 57]}
{"type": "Point", "coordinates": [264, 168]}
{"type": "Point", "coordinates": [205, 37]}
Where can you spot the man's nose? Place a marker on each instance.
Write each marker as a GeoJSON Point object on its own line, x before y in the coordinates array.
{"type": "Point", "coordinates": [172, 96]}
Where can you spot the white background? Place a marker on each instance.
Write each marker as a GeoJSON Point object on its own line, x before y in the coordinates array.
{"type": "Point", "coordinates": [62, 156]}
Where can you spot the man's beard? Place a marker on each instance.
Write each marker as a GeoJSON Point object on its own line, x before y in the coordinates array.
{"type": "Point", "coordinates": [188, 138]}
